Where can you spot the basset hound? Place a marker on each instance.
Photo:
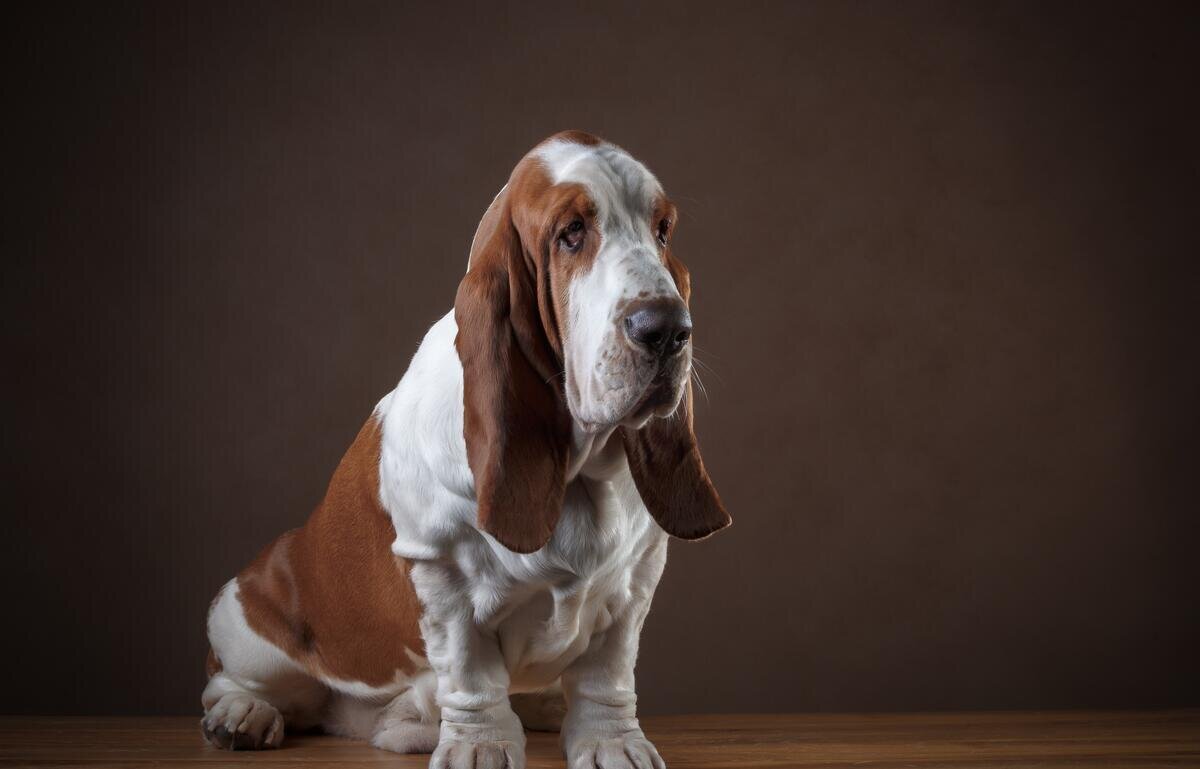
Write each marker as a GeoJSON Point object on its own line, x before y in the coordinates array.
{"type": "Point", "coordinates": [486, 551]}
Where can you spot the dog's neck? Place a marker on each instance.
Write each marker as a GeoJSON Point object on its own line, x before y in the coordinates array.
{"type": "Point", "coordinates": [598, 456]}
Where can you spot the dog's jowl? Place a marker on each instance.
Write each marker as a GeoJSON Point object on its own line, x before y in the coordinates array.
{"type": "Point", "coordinates": [487, 550]}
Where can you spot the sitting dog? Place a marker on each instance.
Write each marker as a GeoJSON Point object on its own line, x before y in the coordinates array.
{"type": "Point", "coordinates": [487, 549]}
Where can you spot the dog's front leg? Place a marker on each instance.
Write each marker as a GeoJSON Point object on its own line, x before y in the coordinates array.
{"type": "Point", "coordinates": [479, 727]}
{"type": "Point", "coordinates": [601, 728]}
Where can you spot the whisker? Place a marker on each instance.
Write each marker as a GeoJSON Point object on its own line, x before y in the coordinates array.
{"type": "Point", "coordinates": [700, 385]}
{"type": "Point", "coordinates": [709, 353]}
{"type": "Point", "coordinates": [708, 368]}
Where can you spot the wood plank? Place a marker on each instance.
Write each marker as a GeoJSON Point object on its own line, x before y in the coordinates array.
{"type": "Point", "coordinates": [881, 741]}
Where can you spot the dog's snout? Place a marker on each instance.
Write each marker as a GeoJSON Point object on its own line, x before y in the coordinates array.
{"type": "Point", "coordinates": [661, 326]}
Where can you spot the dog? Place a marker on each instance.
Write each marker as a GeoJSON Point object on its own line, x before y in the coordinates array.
{"type": "Point", "coordinates": [487, 549]}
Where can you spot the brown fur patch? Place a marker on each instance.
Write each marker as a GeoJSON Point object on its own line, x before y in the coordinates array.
{"type": "Point", "coordinates": [515, 421]}
{"type": "Point", "coordinates": [511, 312]}
{"type": "Point", "coordinates": [332, 594]}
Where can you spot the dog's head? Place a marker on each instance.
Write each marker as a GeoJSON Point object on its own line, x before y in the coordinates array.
{"type": "Point", "coordinates": [573, 316]}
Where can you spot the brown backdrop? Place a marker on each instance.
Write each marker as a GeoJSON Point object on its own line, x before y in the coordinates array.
{"type": "Point", "coordinates": [944, 267]}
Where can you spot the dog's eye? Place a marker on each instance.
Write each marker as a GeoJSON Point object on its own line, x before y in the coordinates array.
{"type": "Point", "coordinates": [664, 229]}
{"type": "Point", "coordinates": [572, 235]}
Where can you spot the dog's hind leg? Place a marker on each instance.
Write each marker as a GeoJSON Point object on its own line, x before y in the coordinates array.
{"type": "Point", "coordinates": [254, 688]}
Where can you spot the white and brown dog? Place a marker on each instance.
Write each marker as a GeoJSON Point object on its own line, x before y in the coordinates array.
{"type": "Point", "coordinates": [486, 552]}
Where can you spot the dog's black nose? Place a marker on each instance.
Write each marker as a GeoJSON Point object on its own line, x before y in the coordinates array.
{"type": "Point", "coordinates": [662, 326]}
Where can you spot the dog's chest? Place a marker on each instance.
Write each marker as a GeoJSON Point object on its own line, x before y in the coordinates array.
{"type": "Point", "coordinates": [548, 606]}
{"type": "Point", "coordinates": [553, 627]}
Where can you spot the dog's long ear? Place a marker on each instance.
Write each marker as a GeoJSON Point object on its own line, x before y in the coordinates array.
{"type": "Point", "coordinates": [664, 458]}
{"type": "Point", "coordinates": [515, 421]}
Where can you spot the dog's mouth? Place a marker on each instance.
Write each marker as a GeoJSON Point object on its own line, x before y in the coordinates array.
{"type": "Point", "coordinates": [647, 388]}
{"type": "Point", "coordinates": [661, 397]}
{"type": "Point", "coordinates": [663, 391]}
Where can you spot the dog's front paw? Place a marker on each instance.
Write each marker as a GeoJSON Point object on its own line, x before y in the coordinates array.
{"type": "Point", "coordinates": [491, 739]}
{"type": "Point", "coordinates": [630, 750]}
{"type": "Point", "coordinates": [488, 754]}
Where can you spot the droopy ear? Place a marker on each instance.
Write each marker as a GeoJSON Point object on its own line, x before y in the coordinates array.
{"type": "Point", "coordinates": [670, 476]}
{"type": "Point", "coordinates": [664, 458]}
{"type": "Point", "coordinates": [515, 423]}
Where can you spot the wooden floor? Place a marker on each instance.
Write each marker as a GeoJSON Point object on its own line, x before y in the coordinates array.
{"type": "Point", "coordinates": [971, 740]}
